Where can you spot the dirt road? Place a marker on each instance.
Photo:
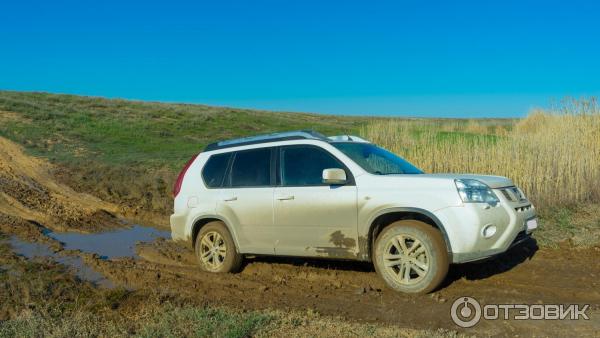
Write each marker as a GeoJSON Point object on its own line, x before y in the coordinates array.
{"type": "Point", "coordinates": [31, 201]}
{"type": "Point", "coordinates": [525, 275]}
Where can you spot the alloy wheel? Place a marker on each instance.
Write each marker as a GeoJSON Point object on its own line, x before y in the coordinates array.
{"type": "Point", "coordinates": [406, 259]}
{"type": "Point", "coordinates": [213, 250]}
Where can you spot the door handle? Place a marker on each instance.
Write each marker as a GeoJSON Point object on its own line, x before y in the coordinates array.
{"type": "Point", "coordinates": [229, 199]}
{"type": "Point", "coordinates": [285, 198]}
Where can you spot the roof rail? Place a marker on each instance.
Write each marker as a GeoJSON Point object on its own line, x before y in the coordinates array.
{"type": "Point", "coordinates": [346, 138]}
{"type": "Point", "coordinates": [284, 136]}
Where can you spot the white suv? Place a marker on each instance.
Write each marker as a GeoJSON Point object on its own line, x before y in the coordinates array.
{"type": "Point", "coordinates": [303, 194]}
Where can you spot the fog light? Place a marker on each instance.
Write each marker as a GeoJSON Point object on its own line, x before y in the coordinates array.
{"type": "Point", "coordinates": [488, 231]}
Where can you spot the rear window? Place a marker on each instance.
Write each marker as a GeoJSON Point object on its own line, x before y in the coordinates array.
{"type": "Point", "coordinates": [251, 168]}
{"type": "Point", "coordinates": [214, 170]}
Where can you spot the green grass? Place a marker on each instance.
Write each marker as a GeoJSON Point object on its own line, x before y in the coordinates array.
{"type": "Point", "coordinates": [68, 128]}
{"type": "Point", "coordinates": [453, 136]}
{"type": "Point", "coordinates": [563, 218]}
{"type": "Point", "coordinates": [167, 321]}
{"type": "Point", "coordinates": [203, 322]}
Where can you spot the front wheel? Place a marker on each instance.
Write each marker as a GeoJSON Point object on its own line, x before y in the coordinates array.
{"type": "Point", "coordinates": [215, 249]}
{"type": "Point", "coordinates": [410, 256]}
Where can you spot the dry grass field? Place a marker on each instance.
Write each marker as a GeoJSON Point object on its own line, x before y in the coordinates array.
{"type": "Point", "coordinates": [554, 156]}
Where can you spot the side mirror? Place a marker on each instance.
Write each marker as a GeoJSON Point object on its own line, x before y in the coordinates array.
{"type": "Point", "coordinates": [334, 176]}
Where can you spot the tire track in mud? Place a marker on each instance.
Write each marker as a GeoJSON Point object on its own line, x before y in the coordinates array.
{"type": "Point", "coordinates": [525, 275]}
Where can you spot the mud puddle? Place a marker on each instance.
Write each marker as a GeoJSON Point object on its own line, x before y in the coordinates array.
{"type": "Point", "coordinates": [119, 243]}
{"type": "Point", "coordinates": [110, 244]}
{"type": "Point", "coordinates": [74, 263]}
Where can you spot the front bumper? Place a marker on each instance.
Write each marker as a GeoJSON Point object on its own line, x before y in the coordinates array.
{"type": "Point", "coordinates": [466, 257]}
{"type": "Point", "coordinates": [464, 228]}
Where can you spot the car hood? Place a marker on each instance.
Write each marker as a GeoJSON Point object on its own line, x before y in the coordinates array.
{"type": "Point", "coordinates": [492, 181]}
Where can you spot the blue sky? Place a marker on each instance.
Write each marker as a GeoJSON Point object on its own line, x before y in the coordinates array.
{"type": "Point", "coordinates": [417, 58]}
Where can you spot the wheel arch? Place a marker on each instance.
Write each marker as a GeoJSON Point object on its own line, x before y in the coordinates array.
{"type": "Point", "coordinates": [201, 221]}
{"type": "Point", "coordinates": [385, 217]}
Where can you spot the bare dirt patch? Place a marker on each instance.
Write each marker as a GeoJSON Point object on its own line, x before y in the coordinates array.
{"type": "Point", "coordinates": [142, 194]}
{"type": "Point", "coordinates": [8, 116]}
{"type": "Point", "coordinates": [29, 192]}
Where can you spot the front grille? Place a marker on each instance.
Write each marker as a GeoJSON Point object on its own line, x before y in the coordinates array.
{"type": "Point", "coordinates": [513, 194]}
{"type": "Point", "coordinates": [523, 208]}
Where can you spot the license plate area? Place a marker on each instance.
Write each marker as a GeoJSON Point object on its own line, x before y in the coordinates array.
{"type": "Point", "coordinates": [531, 224]}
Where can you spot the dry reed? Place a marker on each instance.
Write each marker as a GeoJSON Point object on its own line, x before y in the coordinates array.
{"type": "Point", "coordinates": [554, 156]}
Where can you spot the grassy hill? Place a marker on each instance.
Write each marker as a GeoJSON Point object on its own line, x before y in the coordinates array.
{"type": "Point", "coordinates": [76, 128]}
{"type": "Point", "coordinates": [129, 152]}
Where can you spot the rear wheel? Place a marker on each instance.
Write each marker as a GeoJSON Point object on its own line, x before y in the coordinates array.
{"type": "Point", "coordinates": [410, 256]}
{"type": "Point", "coordinates": [215, 249]}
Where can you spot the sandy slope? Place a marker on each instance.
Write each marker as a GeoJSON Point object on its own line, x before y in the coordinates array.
{"type": "Point", "coordinates": [29, 192]}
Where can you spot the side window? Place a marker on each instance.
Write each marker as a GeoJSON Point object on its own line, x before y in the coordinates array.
{"type": "Point", "coordinates": [304, 165]}
{"type": "Point", "coordinates": [251, 168]}
{"type": "Point", "coordinates": [214, 170]}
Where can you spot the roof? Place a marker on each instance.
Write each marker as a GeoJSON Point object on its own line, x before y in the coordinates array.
{"type": "Point", "coordinates": [274, 137]}
{"type": "Point", "coordinates": [283, 136]}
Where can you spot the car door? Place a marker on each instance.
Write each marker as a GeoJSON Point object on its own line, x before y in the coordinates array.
{"type": "Point", "coordinates": [312, 218]}
{"type": "Point", "coordinates": [247, 199]}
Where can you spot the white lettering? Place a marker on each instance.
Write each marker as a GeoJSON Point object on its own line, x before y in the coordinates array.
{"type": "Point", "coordinates": [552, 311]}
{"type": "Point", "coordinates": [564, 312]}
{"type": "Point", "coordinates": [506, 308]}
{"type": "Point", "coordinates": [523, 312]}
{"type": "Point", "coordinates": [486, 312]}
{"type": "Point", "coordinates": [532, 312]}
{"type": "Point", "coordinates": [581, 312]}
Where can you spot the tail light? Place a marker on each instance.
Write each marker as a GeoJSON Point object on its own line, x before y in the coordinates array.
{"type": "Point", "coordinates": [177, 186]}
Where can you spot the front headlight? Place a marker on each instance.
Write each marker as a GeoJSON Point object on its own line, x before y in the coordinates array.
{"type": "Point", "coordinates": [474, 191]}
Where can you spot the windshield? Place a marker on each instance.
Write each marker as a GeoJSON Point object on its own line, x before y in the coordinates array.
{"type": "Point", "coordinates": [376, 160]}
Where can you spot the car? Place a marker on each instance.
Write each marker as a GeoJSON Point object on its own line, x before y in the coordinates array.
{"type": "Point", "coordinates": [302, 194]}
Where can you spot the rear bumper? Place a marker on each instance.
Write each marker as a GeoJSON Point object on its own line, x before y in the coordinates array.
{"type": "Point", "coordinates": [178, 222]}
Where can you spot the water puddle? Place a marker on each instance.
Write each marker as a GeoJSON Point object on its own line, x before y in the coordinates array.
{"type": "Point", "coordinates": [75, 263]}
{"type": "Point", "coordinates": [111, 244]}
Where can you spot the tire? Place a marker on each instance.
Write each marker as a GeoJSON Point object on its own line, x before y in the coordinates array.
{"type": "Point", "coordinates": [424, 256]}
{"type": "Point", "coordinates": [220, 258]}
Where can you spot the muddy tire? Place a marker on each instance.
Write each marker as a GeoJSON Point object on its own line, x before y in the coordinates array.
{"type": "Point", "coordinates": [215, 249]}
{"type": "Point", "coordinates": [411, 257]}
